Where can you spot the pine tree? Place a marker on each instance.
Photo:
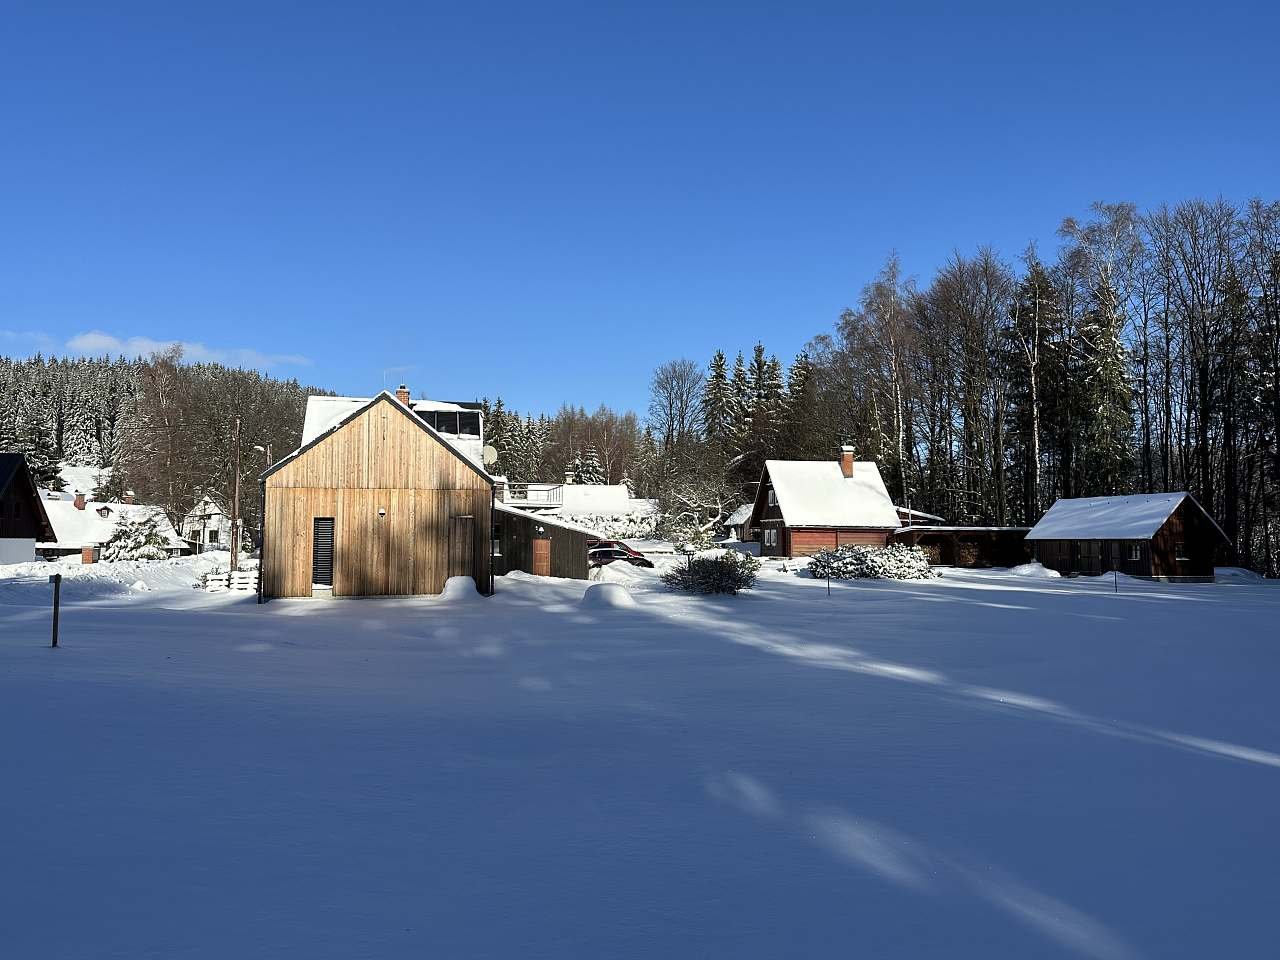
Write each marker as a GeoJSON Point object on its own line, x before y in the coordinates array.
{"type": "Point", "coordinates": [718, 406]}
{"type": "Point", "coordinates": [136, 539]}
{"type": "Point", "coordinates": [1107, 445]}
{"type": "Point", "coordinates": [590, 470]}
{"type": "Point", "coordinates": [35, 442]}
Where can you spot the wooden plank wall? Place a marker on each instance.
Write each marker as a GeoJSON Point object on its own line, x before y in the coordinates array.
{"type": "Point", "coordinates": [392, 490]}
{"type": "Point", "coordinates": [568, 547]}
{"type": "Point", "coordinates": [806, 541]}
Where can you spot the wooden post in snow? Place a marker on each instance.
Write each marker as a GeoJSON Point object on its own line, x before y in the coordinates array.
{"type": "Point", "coordinates": [56, 580]}
{"type": "Point", "coordinates": [235, 502]}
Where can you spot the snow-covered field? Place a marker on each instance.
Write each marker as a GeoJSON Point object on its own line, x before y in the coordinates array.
{"type": "Point", "coordinates": [982, 765]}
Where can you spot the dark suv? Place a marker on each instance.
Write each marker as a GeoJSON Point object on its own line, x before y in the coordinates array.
{"type": "Point", "coordinates": [600, 556]}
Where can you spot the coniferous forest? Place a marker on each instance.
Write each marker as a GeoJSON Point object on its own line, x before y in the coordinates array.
{"type": "Point", "coordinates": [1136, 351]}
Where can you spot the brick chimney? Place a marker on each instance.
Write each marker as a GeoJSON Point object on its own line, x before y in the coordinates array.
{"type": "Point", "coordinates": [846, 460]}
{"type": "Point", "coordinates": [79, 501]}
{"type": "Point", "coordinates": [402, 394]}
{"type": "Point", "coordinates": [128, 497]}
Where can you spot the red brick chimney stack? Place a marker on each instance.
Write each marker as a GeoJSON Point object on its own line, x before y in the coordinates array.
{"type": "Point", "coordinates": [79, 501]}
{"type": "Point", "coordinates": [402, 394]}
{"type": "Point", "coordinates": [128, 497]}
{"type": "Point", "coordinates": [846, 460]}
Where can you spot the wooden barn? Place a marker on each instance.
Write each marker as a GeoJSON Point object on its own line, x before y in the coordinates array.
{"type": "Point", "coordinates": [804, 506]}
{"type": "Point", "coordinates": [1164, 536]}
{"type": "Point", "coordinates": [23, 520]}
{"type": "Point", "coordinates": [377, 503]}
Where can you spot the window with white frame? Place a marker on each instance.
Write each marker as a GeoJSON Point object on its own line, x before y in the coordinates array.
{"type": "Point", "coordinates": [773, 498]}
{"type": "Point", "coordinates": [1135, 551]}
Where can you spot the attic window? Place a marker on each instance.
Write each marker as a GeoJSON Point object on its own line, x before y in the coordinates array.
{"type": "Point", "coordinates": [1180, 550]}
{"type": "Point", "coordinates": [104, 512]}
{"type": "Point", "coordinates": [773, 498]}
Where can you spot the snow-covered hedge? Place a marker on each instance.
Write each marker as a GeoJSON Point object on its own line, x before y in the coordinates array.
{"type": "Point", "coordinates": [627, 526]}
{"type": "Point", "coordinates": [894, 562]}
{"type": "Point", "coordinates": [727, 573]}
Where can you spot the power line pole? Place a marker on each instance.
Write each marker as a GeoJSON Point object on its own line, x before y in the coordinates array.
{"type": "Point", "coordinates": [235, 504]}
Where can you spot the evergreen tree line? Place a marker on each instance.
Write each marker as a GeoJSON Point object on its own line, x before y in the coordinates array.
{"type": "Point", "coordinates": [1144, 356]}
{"type": "Point", "coordinates": [160, 427]}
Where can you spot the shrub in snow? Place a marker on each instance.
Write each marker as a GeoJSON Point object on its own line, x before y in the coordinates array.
{"type": "Point", "coordinates": [136, 539]}
{"type": "Point", "coordinates": [894, 562]}
{"type": "Point", "coordinates": [626, 526]}
{"type": "Point", "coordinates": [727, 573]}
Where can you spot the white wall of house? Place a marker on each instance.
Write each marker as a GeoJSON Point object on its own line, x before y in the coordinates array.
{"type": "Point", "coordinates": [17, 549]}
{"type": "Point", "coordinates": [207, 526]}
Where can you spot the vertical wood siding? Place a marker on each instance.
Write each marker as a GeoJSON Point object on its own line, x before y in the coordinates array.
{"type": "Point", "coordinates": [392, 489]}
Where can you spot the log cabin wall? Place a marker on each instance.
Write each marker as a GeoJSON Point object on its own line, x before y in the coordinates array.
{"type": "Point", "coordinates": [392, 489]}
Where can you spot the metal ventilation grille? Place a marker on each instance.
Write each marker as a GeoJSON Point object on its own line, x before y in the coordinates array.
{"type": "Point", "coordinates": [322, 552]}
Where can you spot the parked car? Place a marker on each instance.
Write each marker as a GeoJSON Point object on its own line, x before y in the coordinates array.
{"type": "Point", "coordinates": [601, 556]}
{"type": "Point", "coordinates": [613, 545]}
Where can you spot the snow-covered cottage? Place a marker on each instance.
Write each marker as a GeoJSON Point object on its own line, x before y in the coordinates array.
{"type": "Point", "coordinates": [1166, 536]}
{"type": "Point", "coordinates": [81, 526]}
{"type": "Point", "coordinates": [23, 519]}
{"type": "Point", "coordinates": [207, 526]}
{"type": "Point", "coordinates": [803, 506]}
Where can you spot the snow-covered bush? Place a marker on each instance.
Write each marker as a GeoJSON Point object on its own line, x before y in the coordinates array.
{"type": "Point", "coordinates": [894, 562]}
{"type": "Point", "coordinates": [136, 539]}
{"type": "Point", "coordinates": [727, 573]}
{"type": "Point", "coordinates": [627, 526]}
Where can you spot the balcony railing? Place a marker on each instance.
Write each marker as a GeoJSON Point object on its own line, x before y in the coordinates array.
{"type": "Point", "coordinates": [536, 494]}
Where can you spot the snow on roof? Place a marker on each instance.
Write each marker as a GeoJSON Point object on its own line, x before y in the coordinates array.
{"type": "Point", "coordinates": [326, 414]}
{"type": "Point", "coordinates": [545, 519]}
{"type": "Point", "coordinates": [602, 500]}
{"type": "Point", "coordinates": [89, 528]}
{"type": "Point", "coordinates": [816, 493]}
{"type": "Point", "coordinates": [741, 515]}
{"type": "Point", "coordinates": [912, 515]}
{"type": "Point", "coordinates": [1134, 517]}
{"type": "Point", "coordinates": [934, 528]}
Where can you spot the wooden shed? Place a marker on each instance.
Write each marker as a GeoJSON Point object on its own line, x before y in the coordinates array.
{"type": "Point", "coordinates": [1163, 536]}
{"type": "Point", "coordinates": [379, 504]}
{"type": "Point", "coordinates": [515, 536]}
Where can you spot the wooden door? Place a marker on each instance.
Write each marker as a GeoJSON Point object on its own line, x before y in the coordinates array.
{"type": "Point", "coordinates": [542, 557]}
{"type": "Point", "coordinates": [462, 546]}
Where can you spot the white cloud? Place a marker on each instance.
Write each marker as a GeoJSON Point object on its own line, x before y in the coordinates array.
{"type": "Point", "coordinates": [97, 343]}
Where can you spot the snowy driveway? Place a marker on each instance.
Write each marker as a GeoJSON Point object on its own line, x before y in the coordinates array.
{"type": "Point", "coordinates": [978, 766]}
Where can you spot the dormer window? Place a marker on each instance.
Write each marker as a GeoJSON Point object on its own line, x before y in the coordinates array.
{"type": "Point", "coordinates": [104, 512]}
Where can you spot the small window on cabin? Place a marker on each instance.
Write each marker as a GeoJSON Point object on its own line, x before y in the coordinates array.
{"type": "Point", "coordinates": [1135, 551]}
{"type": "Point", "coordinates": [1180, 550]}
{"type": "Point", "coordinates": [447, 422]}
{"type": "Point", "coordinates": [497, 540]}
{"type": "Point", "coordinates": [104, 512]}
{"type": "Point", "coordinates": [773, 497]}
{"type": "Point", "coordinates": [469, 423]}
{"type": "Point", "coordinates": [15, 509]}
{"type": "Point", "coordinates": [213, 536]}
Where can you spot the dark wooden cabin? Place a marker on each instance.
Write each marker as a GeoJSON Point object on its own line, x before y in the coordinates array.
{"type": "Point", "coordinates": [516, 531]}
{"type": "Point", "coordinates": [804, 506]}
{"type": "Point", "coordinates": [379, 504]}
{"type": "Point", "coordinates": [1162, 536]}
{"type": "Point", "coordinates": [23, 520]}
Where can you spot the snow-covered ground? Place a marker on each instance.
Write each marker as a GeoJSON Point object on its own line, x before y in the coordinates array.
{"type": "Point", "coordinates": [981, 765]}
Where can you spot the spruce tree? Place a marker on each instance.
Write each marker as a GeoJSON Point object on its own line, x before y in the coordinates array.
{"type": "Point", "coordinates": [1107, 445]}
{"type": "Point", "coordinates": [717, 405]}
{"type": "Point", "coordinates": [35, 442]}
{"type": "Point", "coordinates": [589, 468]}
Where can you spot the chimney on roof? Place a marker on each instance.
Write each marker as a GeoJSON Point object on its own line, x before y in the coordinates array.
{"type": "Point", "coordinates": [846, 460]}
{"type": "Point", "coordinates": [402, 394]}
{"type": "Point", "coordinates": [128, 497]}
{"type": "Point", "coordinates": [79, 501]}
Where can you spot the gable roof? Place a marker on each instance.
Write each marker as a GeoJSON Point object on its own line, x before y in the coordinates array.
{"type": "Point", "coordinates": [816, 493]}
{"type": "Point", "coordinates": [1134, 517]}
{"type": "Point", "coordinates": [14, 470]}
{"type": "Point", "coordinates": [741, 515]}
{"type": "Point", "coordinates": [74, 528]}
{"type": "Point", "coordinates": [547, 519]}
{"type": "Point", "coordinates": [351, 412]}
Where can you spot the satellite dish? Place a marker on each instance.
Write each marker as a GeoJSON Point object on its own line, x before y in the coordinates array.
{"type": "Point", "coordinates": [489, 454]}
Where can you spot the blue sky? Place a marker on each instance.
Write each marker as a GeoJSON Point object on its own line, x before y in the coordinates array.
{"type": "Point", "coordinates": [546, 200]}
